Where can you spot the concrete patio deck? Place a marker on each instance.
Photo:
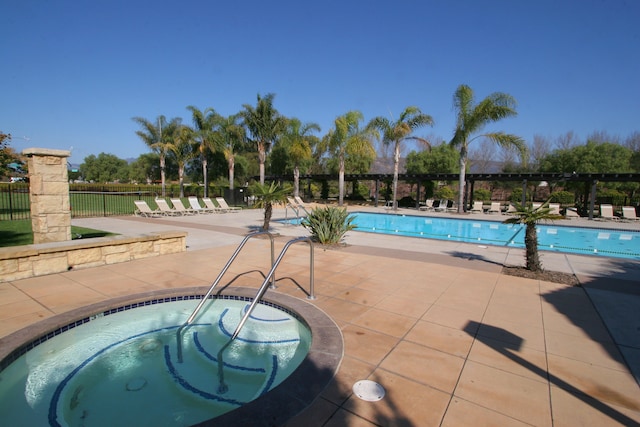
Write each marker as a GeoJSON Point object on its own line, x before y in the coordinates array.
{"type": "Point", "coordinates": [452, 340]}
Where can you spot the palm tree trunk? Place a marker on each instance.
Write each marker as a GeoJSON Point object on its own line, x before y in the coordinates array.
{"type": "Point", "coordinates": [268, 210]}
{"type": "Point", "coordinates": [461, 184]}
{"type": "Point", "coordinates": [296, 181]}
{"type": "Point", "coordinates": [341, 183]}
{"type": "Point", "coordinates": [181, 179]}
{"type": "Point", "coordinates": [204, 173]}
{"type": "Point", "coordinates": [232, 178]}
{"type": "Point", "coordinates": [531, 248]}
{"type": "Point", "coordinates": [162, 174]}
{"type": "Point", "coordinates": [262, 157]}
{"type": "Point", "coordinates": [396, 161]}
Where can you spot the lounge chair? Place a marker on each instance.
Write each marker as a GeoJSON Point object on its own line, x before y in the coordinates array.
{"type": "Point", "coordinates": [427, 206]}
{"type": "Point", "coordinates": [554, 208]}
{"type": "Point", "coordinates": [478, 206]}
{"type": "Point", "coordinates": [536, 205]}
{"type": "Point", "coordinates": [180, 207]}
{"type": "Point", "coordinates": [629, 213]}
{"type": "Point", "coordinates": [195, 205]}
{"type": "Point", "coordinates": [223, 204]}
{"type": "Point", "coordinates": [143, 209]}
{"type": "Point", "coordinates": [451, 206]}
{"type": "Point", "coordinates": [441, 207]}
{"type": "Point", "coordinates": [495, 208]}
{"type": "Point", "coordinates": [165, 208]}
{"type": "Point", "coordinates": [303, 204]}
{"type": "Point", "coordinates": [606, 212]}
{"type": "Point", "coordinates": [211, 206]}
{"type": "Point", "coordinates": [571, 213]}
{"type": "Point", "coordinates": [511, 209]}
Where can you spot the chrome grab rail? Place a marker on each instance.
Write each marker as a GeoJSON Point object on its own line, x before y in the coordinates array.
{"type": "Point", "coordinates": [216, 282]}
{"type": "Point", "coordinates": [222, 387]}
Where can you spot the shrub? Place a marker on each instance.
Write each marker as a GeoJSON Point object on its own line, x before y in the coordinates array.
{"type": "Point", "coordinates": [407, 202]}
{"type": "Point", "coordinates": [563, 197]}
{"type": "Point", "coordinates": [328, 225]}
{"type": "Point", "coordinates": [482, 194]}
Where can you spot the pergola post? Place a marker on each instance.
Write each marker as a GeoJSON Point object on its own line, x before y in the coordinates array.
{"type": "Point", "coordinates": [592, 202]}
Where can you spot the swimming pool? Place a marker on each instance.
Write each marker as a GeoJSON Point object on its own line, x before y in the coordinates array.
{"type": "Point", "coordinates": [551, 236]}
{"type": "Point", "coordinates": [119, 367]}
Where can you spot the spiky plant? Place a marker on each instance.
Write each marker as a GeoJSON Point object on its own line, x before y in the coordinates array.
{"type": "Point", "coordinates": [328, 225]}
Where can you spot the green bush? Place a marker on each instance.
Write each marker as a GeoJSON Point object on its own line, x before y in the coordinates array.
{"type": "Point", "coordinates": [562, 197]}
{"type": "Point", "coordinates": [328, 225]}
{"type": "Point", "coordinates": [444, 193]}
{"type": "Point", "coordinates": [482, 194]}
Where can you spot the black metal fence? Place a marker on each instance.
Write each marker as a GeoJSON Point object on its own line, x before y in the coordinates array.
{"type": "Point", "coordinates": [89, 200]}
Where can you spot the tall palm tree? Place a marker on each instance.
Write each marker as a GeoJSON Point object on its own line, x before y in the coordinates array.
{"type": "Point", "coordinates": [265, 124]}
{"type": "Point", "coordinates": [296, 135]}
{"type": "Point", "coordinates": [346, 136]}
{"type": "Point", "coordinates": [156, 138]}
{"type": "Point", "coordinates": [204, 123]}
{"type": "Point", "coordinates": [396, 132]}
{"type": "Point", "coordinates": [183, 147]}
{"type": "Point", "coordinates": [229, 136]}
{"type": "Point", "coordinates": [472, 118]}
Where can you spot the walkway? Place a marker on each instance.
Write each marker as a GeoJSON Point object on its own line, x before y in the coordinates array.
{"type": "Point", "coordinates": [452, 340]}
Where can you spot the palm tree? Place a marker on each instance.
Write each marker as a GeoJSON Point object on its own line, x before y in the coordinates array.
{"type": "Point", "coordinates": [156, 138]}
{"type": "Point", "coordinates": [184, 148]}
{"type": "Point", "coordinates": [204, 123]}
{"type": "Point", "coordinates": [472, 118]}
{"type": "Point", "coordinates": [230, 135]}
{"type": "Point", "coordinates": [266, 195]}
{"type": "Point", "coordinates": [265, 124]}
{"type": "Point", "coordinates": [346, 136]}
{"type": "Point", "coordinates": [530, 216]}
{"type": "Point", "coordinates": [396, 132]}
{"type": "Point", "coordinates": [296, 135]}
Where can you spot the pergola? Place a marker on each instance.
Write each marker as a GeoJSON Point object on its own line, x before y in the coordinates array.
{"type": "Point", "coordinates": [590, 179]}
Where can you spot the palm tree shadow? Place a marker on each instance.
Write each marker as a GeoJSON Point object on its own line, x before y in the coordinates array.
{"type": "Point", "coordinates": [469, 256]}
{"type": "Point", "coordinates": [508, 344]}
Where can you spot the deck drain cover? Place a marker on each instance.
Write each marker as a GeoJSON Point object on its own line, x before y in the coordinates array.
{"type": "Point", "coordinates": [368, 390]}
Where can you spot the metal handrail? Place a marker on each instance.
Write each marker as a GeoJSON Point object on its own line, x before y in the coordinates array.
{"type": "Point", "coordinates": [222, 387]}
{"type": "Point", "coordinates": [216, 282]}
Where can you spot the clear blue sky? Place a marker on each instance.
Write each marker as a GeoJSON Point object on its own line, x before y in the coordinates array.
{"type": "Point", "coordinates": [75, 72]}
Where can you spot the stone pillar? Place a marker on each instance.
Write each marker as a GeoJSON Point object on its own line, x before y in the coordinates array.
{"type": "Point", "coordinates": [49, 193]}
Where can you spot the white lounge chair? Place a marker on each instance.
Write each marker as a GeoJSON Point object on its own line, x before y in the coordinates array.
{"type": "Point", "coordinates": [571, 213]}
{"type": "Point", "coordinates": [442, 206]}
{"type": "Point", "coordinates": [478, 206]}
{"type": "Point", "coordinates": [511, 209]}
{"type": "Point", "coordinates": [427, 206]}
{"type": "Point", "coordinates": [554, 208]}
{"type": "Point", "coordinates": [629, 213]}
{"type": "Point", "coordinates": [195, 205]}
{"type": "Point", "coordinates": [303, 204]}
{"type": "Point", "coordinates": [211, 206]}
{"type": "Point", "coordinates": [606, 212]}
{"type": "Point", "coordinates": [223, 204]}
{"type": "Point", "coordinates": [166, 209]}
{"type": "Point", "coordinates": [495, 208]}
{"type": "Point", "coordinates": [180, 207]}
{"type": "Point", "coordinates": [536, 205]}
{"type": "Point", "coordinates": [143, 209]}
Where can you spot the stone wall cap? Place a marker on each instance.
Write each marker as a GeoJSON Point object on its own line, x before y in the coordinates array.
{"type": "Point", "coordinates": [45, 152]}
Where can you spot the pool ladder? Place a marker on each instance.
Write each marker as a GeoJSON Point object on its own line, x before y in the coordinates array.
{"type": "Point", "coordinates": [270, 277]}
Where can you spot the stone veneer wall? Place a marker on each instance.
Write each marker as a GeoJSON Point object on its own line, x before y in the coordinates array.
{"type": "Point", "coordinates": [21, 262]}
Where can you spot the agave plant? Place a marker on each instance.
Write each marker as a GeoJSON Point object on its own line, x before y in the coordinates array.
{"type": "Point", "coordinates": [530, 216]}
{"type": "Point", "coordinates": [328, 225]}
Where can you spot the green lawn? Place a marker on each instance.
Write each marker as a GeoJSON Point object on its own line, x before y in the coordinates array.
{"type": "Point", "coordinates": [16, 233]}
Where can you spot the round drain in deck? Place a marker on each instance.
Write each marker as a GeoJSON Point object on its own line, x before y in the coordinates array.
{"type": "Point", "coordinates": [368, 390]}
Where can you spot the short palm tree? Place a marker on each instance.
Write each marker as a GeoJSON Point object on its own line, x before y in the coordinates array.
{"type": "Point", "coordinates": [530, 216]}
{"type": "Point", "coordinates": [265, 124]}
{"type": "Point", "coordinates": [347, 136]}
{"type": "Point", "coordinates": [472, 118]}
{"type": "Point", "coordinates": [204, 123]}
{"type": "Point", "coordinates": [396, 132]}
{"type": "Point", "coordinates": [157, 138]}
{"type": "Point", "coordinates": [266, 195]}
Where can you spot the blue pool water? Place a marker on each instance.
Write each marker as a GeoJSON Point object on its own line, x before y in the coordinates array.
{"type": "Point", "coordinates": [551, 236]}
